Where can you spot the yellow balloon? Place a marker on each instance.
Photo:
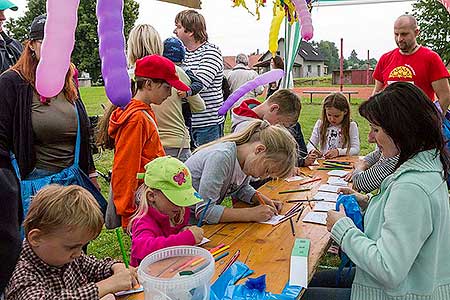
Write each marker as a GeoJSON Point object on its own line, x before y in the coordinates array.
{"type": "Point", "coordinates": [275, 29]}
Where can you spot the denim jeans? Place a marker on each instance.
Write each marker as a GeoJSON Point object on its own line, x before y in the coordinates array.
{"type": "Point", "coordinates": [204, 135]}
{"type": "Point", "coordinates": [323, 286]}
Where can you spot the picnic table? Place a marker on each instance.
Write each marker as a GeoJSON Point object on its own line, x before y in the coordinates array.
{"type": "Point", "coordinates": [311, 93]}
{"type": "Point", "coordinates": [266, 249]}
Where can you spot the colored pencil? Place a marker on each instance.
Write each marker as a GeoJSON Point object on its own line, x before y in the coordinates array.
{"type": "Point", "coordinates": [261, 201]}
{"type": "Point", "coordinates": [331, 168]}
{"type": "Point", "coordinates": [299, 214]}
{"type": "Point", "coordinates": [292, 226]}
{"type": "Point", "coordinates": [285, 218]}
{"type": "Point", "coordinates": [339, 162]}
{"type": "Point", "coordinates": [337, 165]}
{"type": "Point", "coordinates": [197, 262]}
{"type": "Point", "coordinates": [304, 174]}
{"type": "Point", "coordinates": [122, 248]}
{"type": "Point", "coordinates": [216, 248]}
{"type": "Point", "coordinates": [294, 191]}
{"type": "Point", "coordinates": [230, 262]}
{"type": "Point", "coordinates": [310, 181]}
{"type": "Point", "coordinates": [200, 221]}
{"type": "Point", "coordinates": [219, 257]}
{"type": "Point", "coordinates": [302, 200]}
{"type": "Point", "coordinates": [315, 147]}
{"type": "Point", "coordinates": [220, 250]}
{"type": "Point", "coordinates": [294, 208]}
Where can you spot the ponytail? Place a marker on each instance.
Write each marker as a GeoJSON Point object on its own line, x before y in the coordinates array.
{"type": "Point", "coordinates": [104, 141]}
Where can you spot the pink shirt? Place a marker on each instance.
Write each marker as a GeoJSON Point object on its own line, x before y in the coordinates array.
{"type": "Point", "coordinates": [154, 231]}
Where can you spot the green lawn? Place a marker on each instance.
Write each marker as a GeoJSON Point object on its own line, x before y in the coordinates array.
{"type": "Point", "coordinates": [106, 243]}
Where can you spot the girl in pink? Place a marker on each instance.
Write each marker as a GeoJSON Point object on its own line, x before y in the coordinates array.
{"type": "Point", "coordinates": [163, 210]}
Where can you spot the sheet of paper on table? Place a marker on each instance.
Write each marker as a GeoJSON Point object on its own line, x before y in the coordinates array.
{"type": "Point", "coordinates": [298, 274]}
{"type": "Point", "coordinates": [324, 206]}
{"type": "Point", "coordinates": [295, 178]}
{"type": "Point", "coordinates": [337, 181]}
{"type": "Point", "coordinates": [325, 196]}
{"type": "Point", "coordinates": [328, 188]}
{"type": "Point", "coordinates": [274, 220]}
{"type": "Point", "coordinates": [316, 217]}
{"type": "Point", "coordinates": [338, 173]}
{"type": "Point", "coordinates": [204, 241]}
{"type": "Point", "coordinates": [123, 293]}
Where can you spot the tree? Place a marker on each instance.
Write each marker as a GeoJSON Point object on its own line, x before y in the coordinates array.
{"type": "Point", "coordinates": [433, 20]}
{"type": "Point", "coordinates": [85, 53]}
{"type": "Point", "coordinates": [331, 53]}
{"type": "Point", "coordinates": [353, 61]}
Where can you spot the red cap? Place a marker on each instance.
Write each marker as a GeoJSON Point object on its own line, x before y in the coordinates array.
{"type": "Point", "coordinates": [158, 67]}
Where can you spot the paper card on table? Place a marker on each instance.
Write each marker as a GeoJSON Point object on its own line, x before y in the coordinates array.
{"type": "Point", "coordinates": [338, 173]}
{"type": "Point", "coordinates": [123, 293]}
{"type": "Point", "coordinates": [294, 178]}
{"type": "Point", "coordinates": [315, 163]}
{"type": "Point", "coordinates": [324, 206]}
{"type": "Point", "coordinates": [204, 241]}
{"type": "Point", "coordinates": [337, 181]}
{"type": "Point", "coordinates": [325, 196]}
{"type": "Point", "coordinates": [299, 263]}
{"type": "Point", "coordinates": [274, 220]}
{"type": "Point", "coordinates": [316, 217]}
{"type": "Point", "coordinates": [328, 188]}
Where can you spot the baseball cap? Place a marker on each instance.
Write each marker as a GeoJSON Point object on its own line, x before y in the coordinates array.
{"type": "Point", "coordinates": [37, 27]}
{"type": "Point", "coordinates": [174, 49]}
{"type": "Point", "coordinates": [5, 4]}
{"type": "Point", "coordinates": [158, 67]}
{"type": "Point", "coordinates": [172, 178]}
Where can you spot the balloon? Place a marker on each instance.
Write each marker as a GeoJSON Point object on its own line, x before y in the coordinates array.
{"type": "Point", "coordinates": [275, 29]}
{"type": "Point", "coordinates": [262, 79]}
{"type": "Point", "coordinates": [57, 46]}
{"type": "Point", "coordinates": [112, 51]}
{"type": "Point", "coordinates": [304, 17]}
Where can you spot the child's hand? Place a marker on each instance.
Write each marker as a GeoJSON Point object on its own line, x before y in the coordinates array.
{"type": "Point", "coordinates": [197, 232]}
{"type": "Point", "coordinates": [182, 94]}
{"type": "Point", "coordinates": [121, 281]}
{"type": "Point", "coordinates": [310, 159]}
{"type": "Point", "coordinates": [332, 153]}
{"type": "Point", "coordinates": [315, 153]}
{"type": "Point", "coordinates": [261, 213]}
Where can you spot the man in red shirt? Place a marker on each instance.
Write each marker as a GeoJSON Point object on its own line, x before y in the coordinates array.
{"type": "Point", "coordinates": [413, 63]}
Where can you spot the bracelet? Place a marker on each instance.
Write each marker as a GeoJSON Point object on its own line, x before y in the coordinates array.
{"type": "Point", "coordinates": [93, 175]}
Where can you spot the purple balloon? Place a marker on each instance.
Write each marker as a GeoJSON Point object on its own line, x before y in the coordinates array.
{"type": "Point", "coordinates": [112, 51]}
{"type": "Point", "coordinates": [262, 79]}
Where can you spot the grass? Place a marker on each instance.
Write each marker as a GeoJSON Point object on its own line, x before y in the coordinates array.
{"type": "Point", "coordinates": [106, 243]}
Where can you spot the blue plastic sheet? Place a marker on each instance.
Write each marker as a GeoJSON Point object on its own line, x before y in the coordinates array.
{"type": "Point", "coordinates": [254, 288]}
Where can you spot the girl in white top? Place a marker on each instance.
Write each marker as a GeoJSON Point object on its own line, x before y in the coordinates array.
{"type": "Point", "coordinates": [334, 134]}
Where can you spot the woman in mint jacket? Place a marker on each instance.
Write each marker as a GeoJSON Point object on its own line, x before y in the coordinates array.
{"type": "Point", "coordinates": [404, 251]}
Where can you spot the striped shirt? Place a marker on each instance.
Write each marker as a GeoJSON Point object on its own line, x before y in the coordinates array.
{"type": "Point", "coordinates": [379, 168]}
{"type": "Point", "coordinates": [207, 64]}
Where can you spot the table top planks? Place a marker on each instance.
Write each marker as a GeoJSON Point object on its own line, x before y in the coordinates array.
{"type": "Point", "coordinates": [266, 249]}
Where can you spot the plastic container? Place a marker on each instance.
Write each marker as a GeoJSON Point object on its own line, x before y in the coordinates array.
{"type": "Point", "coordinates": [189, 287]}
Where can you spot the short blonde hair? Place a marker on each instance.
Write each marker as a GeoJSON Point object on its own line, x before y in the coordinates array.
{"type": "Point", "coordinates": [281, 147]}
{"type": "Point", "coordinates": [143, 40]}
{"type": "Point", "coordinates": [72, 207]}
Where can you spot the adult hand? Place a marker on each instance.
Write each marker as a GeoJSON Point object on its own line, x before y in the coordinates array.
{"type": "Point", "coordinates": [182, 94]}
{"type": "Point", "coordinates": [334, 216]}
{"type": "Point", "coordinates": [95, 183]}
{"type": "Point", "coordinates": [197, 232]}
{"type": "Point", "coordinates": [349, 176]}
{"type": "Point", "coordinates": [261, 213]}
{"type": "Point", "coordinates": [359, 197]}
{"type": "Point", "coordinates": [331, 153]}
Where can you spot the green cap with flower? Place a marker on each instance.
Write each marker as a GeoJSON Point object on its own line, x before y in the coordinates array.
{"type": "Point", "coordinates": [172, 178]}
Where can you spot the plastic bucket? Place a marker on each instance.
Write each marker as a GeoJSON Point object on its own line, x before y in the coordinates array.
{"type": "Point", "coordinates": [159, 273]}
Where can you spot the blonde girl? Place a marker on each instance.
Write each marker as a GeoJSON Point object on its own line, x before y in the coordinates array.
{"type": "Point", "coordinates": [223, 167]}
{"type": "Point", "coordinates": [162, 217]}
{"type": "Point", "coordinates": [334, 134]}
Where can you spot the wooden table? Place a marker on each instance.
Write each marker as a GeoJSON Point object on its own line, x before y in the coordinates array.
{"type": "Point", "coordinates": [349, 93]}
{"type": "Point", "coordinates": [267, 249]}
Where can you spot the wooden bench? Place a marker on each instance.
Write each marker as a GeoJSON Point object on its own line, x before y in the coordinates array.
{"type": "Point", "coordinates": [349, 93]}
{"type": "Point", "coordinates": [267, 249]}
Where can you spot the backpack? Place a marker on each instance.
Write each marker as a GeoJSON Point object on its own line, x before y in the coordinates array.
{"type": "Point", "coordinates": [10, 51]}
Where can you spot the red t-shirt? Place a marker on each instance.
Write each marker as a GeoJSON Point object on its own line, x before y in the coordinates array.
{"type": "Point", "coordinates": [421, 68]}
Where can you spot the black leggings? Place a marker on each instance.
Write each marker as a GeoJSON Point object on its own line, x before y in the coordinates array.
{"type": "Point", "coordinates": [323, 286]}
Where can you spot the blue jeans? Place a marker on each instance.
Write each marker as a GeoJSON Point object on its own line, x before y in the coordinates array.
{"type": "Point", "coordinates": [204, 135]}
{"type": "Point", "coordinates": [323, 286]}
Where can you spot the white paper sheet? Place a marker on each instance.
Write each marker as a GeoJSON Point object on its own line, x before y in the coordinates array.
{"type": "Point", "coordinates": [328, 188]}
{"type": "Point", "coordinates": [316, 217]}
{"type": "Point", "coordinates": [324, 206]}
{"type": "Point", "coordinates": [123, 293]}
{"type": "Point", "coordinates": [274, 220]}
{"type": "Point", "coordinates": [204, 241]}
{"type": "Point", "coordinates": [325, 196]}
{"type": "Point", "coordinates": [295, 178]}
{"type": "Point", "coordinates": [338, 173]}
{"type": "Point", "coordinates": [337, 181]}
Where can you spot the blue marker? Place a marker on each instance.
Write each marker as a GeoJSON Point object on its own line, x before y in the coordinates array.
{"type": "Point", "coordinates": [200, 221]}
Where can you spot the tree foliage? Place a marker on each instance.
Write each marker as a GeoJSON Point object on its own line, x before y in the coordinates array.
{"type": "Point", "coordinates": [353, 62]}
{"type": "Point", "coordinates": [433, 20]}
{"type": "Point", "coordinates": [85, 53]}
{"type": "Point", "coordinates": [331, 53]}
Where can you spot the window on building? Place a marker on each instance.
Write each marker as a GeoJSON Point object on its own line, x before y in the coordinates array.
{"type": "Point", "coordinates": [318, 71]}
{"type": "Point", "coordinates": [309, 68]}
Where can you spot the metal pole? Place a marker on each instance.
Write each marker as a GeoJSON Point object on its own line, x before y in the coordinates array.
{"type": "Point", "coordinates": [341, 66]}
{"type": "Point", "coordinates": [368, 68]}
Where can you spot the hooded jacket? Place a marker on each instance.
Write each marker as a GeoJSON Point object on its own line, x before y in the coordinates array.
{"type": "Point", "coordinates": [137, 143]}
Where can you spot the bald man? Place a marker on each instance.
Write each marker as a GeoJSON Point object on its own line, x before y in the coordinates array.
{"type": "Point", "coordinates": [413, 63]}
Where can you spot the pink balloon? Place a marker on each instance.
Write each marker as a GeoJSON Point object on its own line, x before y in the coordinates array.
{"type": "Point", "coordinates": [305, 19]}
{"type": "Point", "coordinates": [262, 79]}
{"type": "Point", "coordinates": [57, 46]}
